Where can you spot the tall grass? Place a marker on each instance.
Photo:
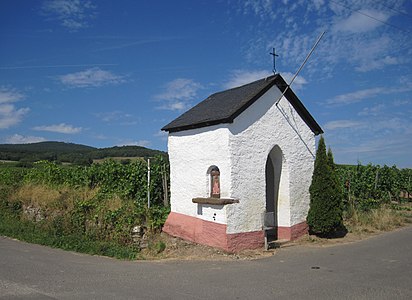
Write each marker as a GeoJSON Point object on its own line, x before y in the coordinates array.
{"type": "Point", "coordinates": [79, 219]}
{"type": "Point", "coordinates": [373, 220]}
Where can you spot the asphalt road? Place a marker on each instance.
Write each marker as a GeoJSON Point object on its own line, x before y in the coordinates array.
{"type": "Point", "coordinates": [377, 268]}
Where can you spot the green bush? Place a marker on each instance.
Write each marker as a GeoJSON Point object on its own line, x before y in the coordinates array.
{"type": "Point", "coordinates": [90, 209]}
{"type": "Point", "coordinates": [325, 212]}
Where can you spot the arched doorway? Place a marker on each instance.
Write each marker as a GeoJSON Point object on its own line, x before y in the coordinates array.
{"type": "Point", "coordinates": [273, 173]}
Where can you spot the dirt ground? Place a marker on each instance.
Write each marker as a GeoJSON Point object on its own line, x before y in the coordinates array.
{"type": "Point", "coordinates": [179, 249]}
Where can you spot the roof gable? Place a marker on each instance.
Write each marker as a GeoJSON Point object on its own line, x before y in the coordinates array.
{"type": "Point", "coordinates": [225, 106]}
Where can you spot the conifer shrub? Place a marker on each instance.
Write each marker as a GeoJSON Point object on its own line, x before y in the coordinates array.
{"type": "Point", "coordinates": [326, 199]}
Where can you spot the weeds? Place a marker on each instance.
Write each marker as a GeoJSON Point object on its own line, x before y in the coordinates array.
{"type": "Point", "coordinates": [78, 219]}
{"type": "Point", "coordinates": [373, 220]}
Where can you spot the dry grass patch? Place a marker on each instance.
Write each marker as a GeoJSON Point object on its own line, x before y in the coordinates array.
{"type": "Point", "coordinates": [114, 203]}
{"type": "Point", "coordinates": [364, 224]}
{"type": "Point", "coordinates": [36, 195]}
{"type": "Point", "coordinates": [48, 198]}
{"type": "Point", "coordinates": [375, 220]}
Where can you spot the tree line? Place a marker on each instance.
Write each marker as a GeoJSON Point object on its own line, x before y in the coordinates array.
{"type": "Point", "coordinates": [61, 152]}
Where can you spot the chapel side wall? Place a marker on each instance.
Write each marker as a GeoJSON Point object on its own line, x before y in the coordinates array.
{"type": "Point", "coordinates": [250, 145]}
{"type": "Point", "coordinates": [191, 153]}
{"type": "Point", "coordinates": [303, 163]}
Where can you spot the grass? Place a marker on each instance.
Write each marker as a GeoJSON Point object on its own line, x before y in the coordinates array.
{"type": "Point", "coordinates": [55, 225]}
{"type": "Point", "coordinates": [36, 233]}
{"type": "Point", "coordinates": [62, 206]}
{"type": "Point", "coordinates": [77, 219]}
{"type": "Point", "coordinates": [384, 218]}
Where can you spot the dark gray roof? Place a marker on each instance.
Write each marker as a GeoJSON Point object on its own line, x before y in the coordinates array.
{"type": "Point", "coordinates": [225, 106]}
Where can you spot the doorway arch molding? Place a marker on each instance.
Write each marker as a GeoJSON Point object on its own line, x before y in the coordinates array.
{"type": "Point", "coordinates": [277, 191]}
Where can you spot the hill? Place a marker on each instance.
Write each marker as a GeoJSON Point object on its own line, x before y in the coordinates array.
{"type": "Point", "coordinates": [69, 152]}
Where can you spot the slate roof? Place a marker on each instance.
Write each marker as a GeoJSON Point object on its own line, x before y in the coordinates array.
{"type": "Point", "coordinates": [225, 106]}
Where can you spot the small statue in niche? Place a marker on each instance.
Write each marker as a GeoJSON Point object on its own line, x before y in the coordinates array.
{"type": "Point", "coordinates": [215, 182]}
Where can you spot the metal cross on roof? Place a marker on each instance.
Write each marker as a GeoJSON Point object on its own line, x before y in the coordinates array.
{"type": "Point", "coordinates": [273, 53]}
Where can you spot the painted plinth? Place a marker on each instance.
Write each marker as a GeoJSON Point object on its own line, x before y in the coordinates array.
{"type": "Point", "coordinates": [211, 234]}
{"type": "Point", "coordinates": [292, 233]}
{"type": "Point", "coordinates": [214, 234]}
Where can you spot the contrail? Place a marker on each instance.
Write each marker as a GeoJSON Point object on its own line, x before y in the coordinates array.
{"type": "Point", "coordinates": [53, 66]}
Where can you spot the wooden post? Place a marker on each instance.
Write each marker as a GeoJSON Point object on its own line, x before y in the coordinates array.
{"type": "Point", "coordinates": [148, 182]}
{"type": "Point", "coordinates": [165, 186]}
{"type": "Point", "coordinates": [376, 179]}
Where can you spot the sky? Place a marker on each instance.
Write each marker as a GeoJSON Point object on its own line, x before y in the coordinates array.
{"type": "Point", "coordinates": [111, 73]}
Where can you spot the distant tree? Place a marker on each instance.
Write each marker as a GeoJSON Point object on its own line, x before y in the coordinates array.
{"type": "Point", "coordinates": [69, 152]}
{"type": "Point", "coordinates": [82, 161]}
{"type": "Point", "coordinates": [326, 198]}
{"type": "Point", "coordinates": [125, 161]}
{"type": "Point", "coordinates": [331, 161]}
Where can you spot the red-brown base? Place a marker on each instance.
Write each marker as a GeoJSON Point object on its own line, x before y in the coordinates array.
{"type": "Point", "coordinates": [214, 234]}
{"type": "Point", "coordinates": [292, 233]}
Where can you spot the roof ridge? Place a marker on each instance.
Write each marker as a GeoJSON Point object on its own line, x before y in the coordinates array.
{"type": "Point", "coordinates": [246, 84]}
{"type": "Point", "coordinates": [225, 106]}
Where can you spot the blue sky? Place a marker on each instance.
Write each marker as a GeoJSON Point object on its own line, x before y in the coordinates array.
{"type": "Point", "coordinates": [106, 73]}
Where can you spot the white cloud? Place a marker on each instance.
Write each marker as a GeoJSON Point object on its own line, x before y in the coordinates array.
{"type": "Point", "coordinates": [10, 116]}
{"type": "Point", "coordinates": [361, 21]}
{"type": "Point", "coordinates": [241, 77]}
{"type": "Point", "coordinates": [401, 102]}
{"type": "Point", "coordinates": [180, 88]}
{"type": "Point", "coordinates": [353, 41]}
{"type": "Point", "coordinates": [8, 95]}
{"type": "Point", "coordinates": [178, 94]}
{"type": "Point", "coordinates": [318, 3]}
{"type": "Point", "coordinates": [261, 8]}
{"type": "Point", "coordinates": [353, 47]}
{"type": "Point", "coordinates": [162, 135]}
{"type": "Point", "coordinates": [59, 128]}
{"type": "Point", "coordinates": [339, 124]}
{"type": "Point", "coordinates": [375, 138]}
{"type": "Point", "coordinates": [20, 139]}
{"type": "Point", "coordinates": [372, 54]}
{"type": "Point", "coordinates": [93, 77]}
{"type": "Point", "coordinates": [176, 105]}
{"type": "Point", "coordinates": [297, 84]}
{"type": "Point", "coordinates": [379, 63]}
{"type": "Point", "coordinates": [375, 145]}
{"type": "Point", "coordinates": [116, 116]}
{"type": "Point", "coordinates": [372, 111]}
{"type": "Point", "coordinates": [357, 96]}
{"type": "Point", "coordinates": [72, 14]}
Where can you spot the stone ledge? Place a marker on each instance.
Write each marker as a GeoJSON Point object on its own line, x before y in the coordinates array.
{"type": "Point", "coordinates": [215, 201]}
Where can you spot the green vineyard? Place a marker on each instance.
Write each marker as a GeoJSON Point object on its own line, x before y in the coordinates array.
{"type": "Point", "coordinates": [110, 208]}
{"type": "Point", "coordinates": [85, 208]}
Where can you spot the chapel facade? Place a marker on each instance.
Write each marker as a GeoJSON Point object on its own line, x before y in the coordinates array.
{"type": "Point", "coordinates": [241, 164]}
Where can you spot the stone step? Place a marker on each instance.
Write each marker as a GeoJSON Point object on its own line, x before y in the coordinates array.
{"type": "Point", "coordinates": [278, 244]}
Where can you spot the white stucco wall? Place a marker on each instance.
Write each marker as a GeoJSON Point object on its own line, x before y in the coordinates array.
{"type": "Point", "coordinates": [240, 150]}
{"type": "Point", "coordinates": [253, 135]}
{"type": "Point", "coordinates": [191, 153]}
